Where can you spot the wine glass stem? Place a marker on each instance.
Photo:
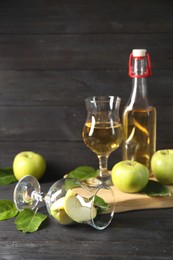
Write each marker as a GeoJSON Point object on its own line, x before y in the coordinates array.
{"type": "Point", "coordinates": [103, 166]}
{"type": "Point", "coordinates": [37, 196]}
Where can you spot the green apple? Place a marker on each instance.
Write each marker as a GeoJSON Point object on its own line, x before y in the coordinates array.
{"type": "Point", "coordinates": [77, 208]}
{"type": "Point", "coordinates": [162, 166]}
{"type": "Point", "coordinates": [57, 211]}
{"type": "Point", "coordinates": [29, 163]}
{"type": "Point", "coordinates": [130, 176]}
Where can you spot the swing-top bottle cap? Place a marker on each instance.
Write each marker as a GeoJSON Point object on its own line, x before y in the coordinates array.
{"type": "Point", "coordinates": [139, 52]}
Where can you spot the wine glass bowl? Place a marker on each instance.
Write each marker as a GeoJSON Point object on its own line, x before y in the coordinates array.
{"type": "Point", "coordinates": [68, 201]}
{"type": "Point", "coordinates": [102, 132]}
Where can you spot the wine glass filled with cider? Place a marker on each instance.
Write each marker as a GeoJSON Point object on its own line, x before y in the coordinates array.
{"type": "Point", "coordinates": [102, 131]}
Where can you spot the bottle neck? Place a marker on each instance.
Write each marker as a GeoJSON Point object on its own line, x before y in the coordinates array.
{"type": "Point", "coordinates": [139, 88]}
{"type": "Point", "coordinates": [139, 67]}
{"type": "Point", "coordinates": [139, 84]}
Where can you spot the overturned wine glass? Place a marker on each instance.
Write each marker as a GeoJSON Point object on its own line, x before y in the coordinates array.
{"type": "Point", "coordinates": [68, 201]}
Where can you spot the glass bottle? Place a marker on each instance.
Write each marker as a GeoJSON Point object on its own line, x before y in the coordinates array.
{"type": "Point", "coordinates": [139, 116]}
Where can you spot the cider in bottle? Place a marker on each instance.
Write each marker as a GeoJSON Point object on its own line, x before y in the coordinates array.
{"type": "Point", "coordinates": [139, 116]}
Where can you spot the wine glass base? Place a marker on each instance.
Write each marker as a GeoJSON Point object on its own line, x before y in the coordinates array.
{"type": "Point", "coordinates": [100, 180]}
{"type": "Point", "coordinates": [23, 193]}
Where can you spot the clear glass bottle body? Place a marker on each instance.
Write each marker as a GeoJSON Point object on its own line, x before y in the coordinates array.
{"type": "Point", "coordinates": [139, 119]}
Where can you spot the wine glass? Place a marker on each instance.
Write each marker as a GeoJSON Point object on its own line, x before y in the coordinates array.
{"type": "Point", "coordinates": [68, 201]}
{"type": "Point", "coordinates": [102, 131]}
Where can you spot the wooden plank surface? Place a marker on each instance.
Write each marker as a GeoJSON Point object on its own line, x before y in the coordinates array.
{"type": "Point", "coordinates": [130, 234]}
{"type": "Point", "coordinates": [78, 16]}
{"type": "Point", "coordinates": [53, 54]}
{"type": "Point", "coordinates": [86, 51]}
{"type": "Point", "coordinates": [70, 88]}
{"type": "Point", "coordinates": [129, 202]}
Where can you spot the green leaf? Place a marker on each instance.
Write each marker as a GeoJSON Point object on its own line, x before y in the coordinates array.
{"type": "Point", "coordinates": [29, 220]}
{"type": "Point", "coordinates": [83, 173]}
{"type": "Point", "coordinates": [7, 176]}
{"type": "Point", "coordinates": [101, 205]}
{"type": "Point", "coordinates": [71, 183]}
{"type": "Point", "coordinates": [7, 209]}
{"type": "Point", "coordinates": [156, 189]}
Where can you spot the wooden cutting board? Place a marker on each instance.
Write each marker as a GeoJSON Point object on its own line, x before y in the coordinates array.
{"type": "Point", "coordinates": [136, 201]}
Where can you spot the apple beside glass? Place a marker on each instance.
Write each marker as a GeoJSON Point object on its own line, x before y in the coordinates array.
{"type": "Point", "coordinates": [29, 163]}
{"type": "Point", "coordinates": [130, 176]}
{"type": "Point", "coordinates": [162, 166]}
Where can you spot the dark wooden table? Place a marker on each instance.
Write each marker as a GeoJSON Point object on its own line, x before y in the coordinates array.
{"type": "Point", "coordinates": [53, 54]}
{"type": "Point", "coordinates": [146, 234]}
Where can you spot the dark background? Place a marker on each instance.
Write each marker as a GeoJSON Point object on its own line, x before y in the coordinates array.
{"type": "Point", "coordinates": [55, 53]}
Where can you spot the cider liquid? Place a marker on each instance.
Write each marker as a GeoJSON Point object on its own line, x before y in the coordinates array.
{"type": "Point", "coordinates": [139, 135]}
{"type": "Point", "coordinates": [102, 138]}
